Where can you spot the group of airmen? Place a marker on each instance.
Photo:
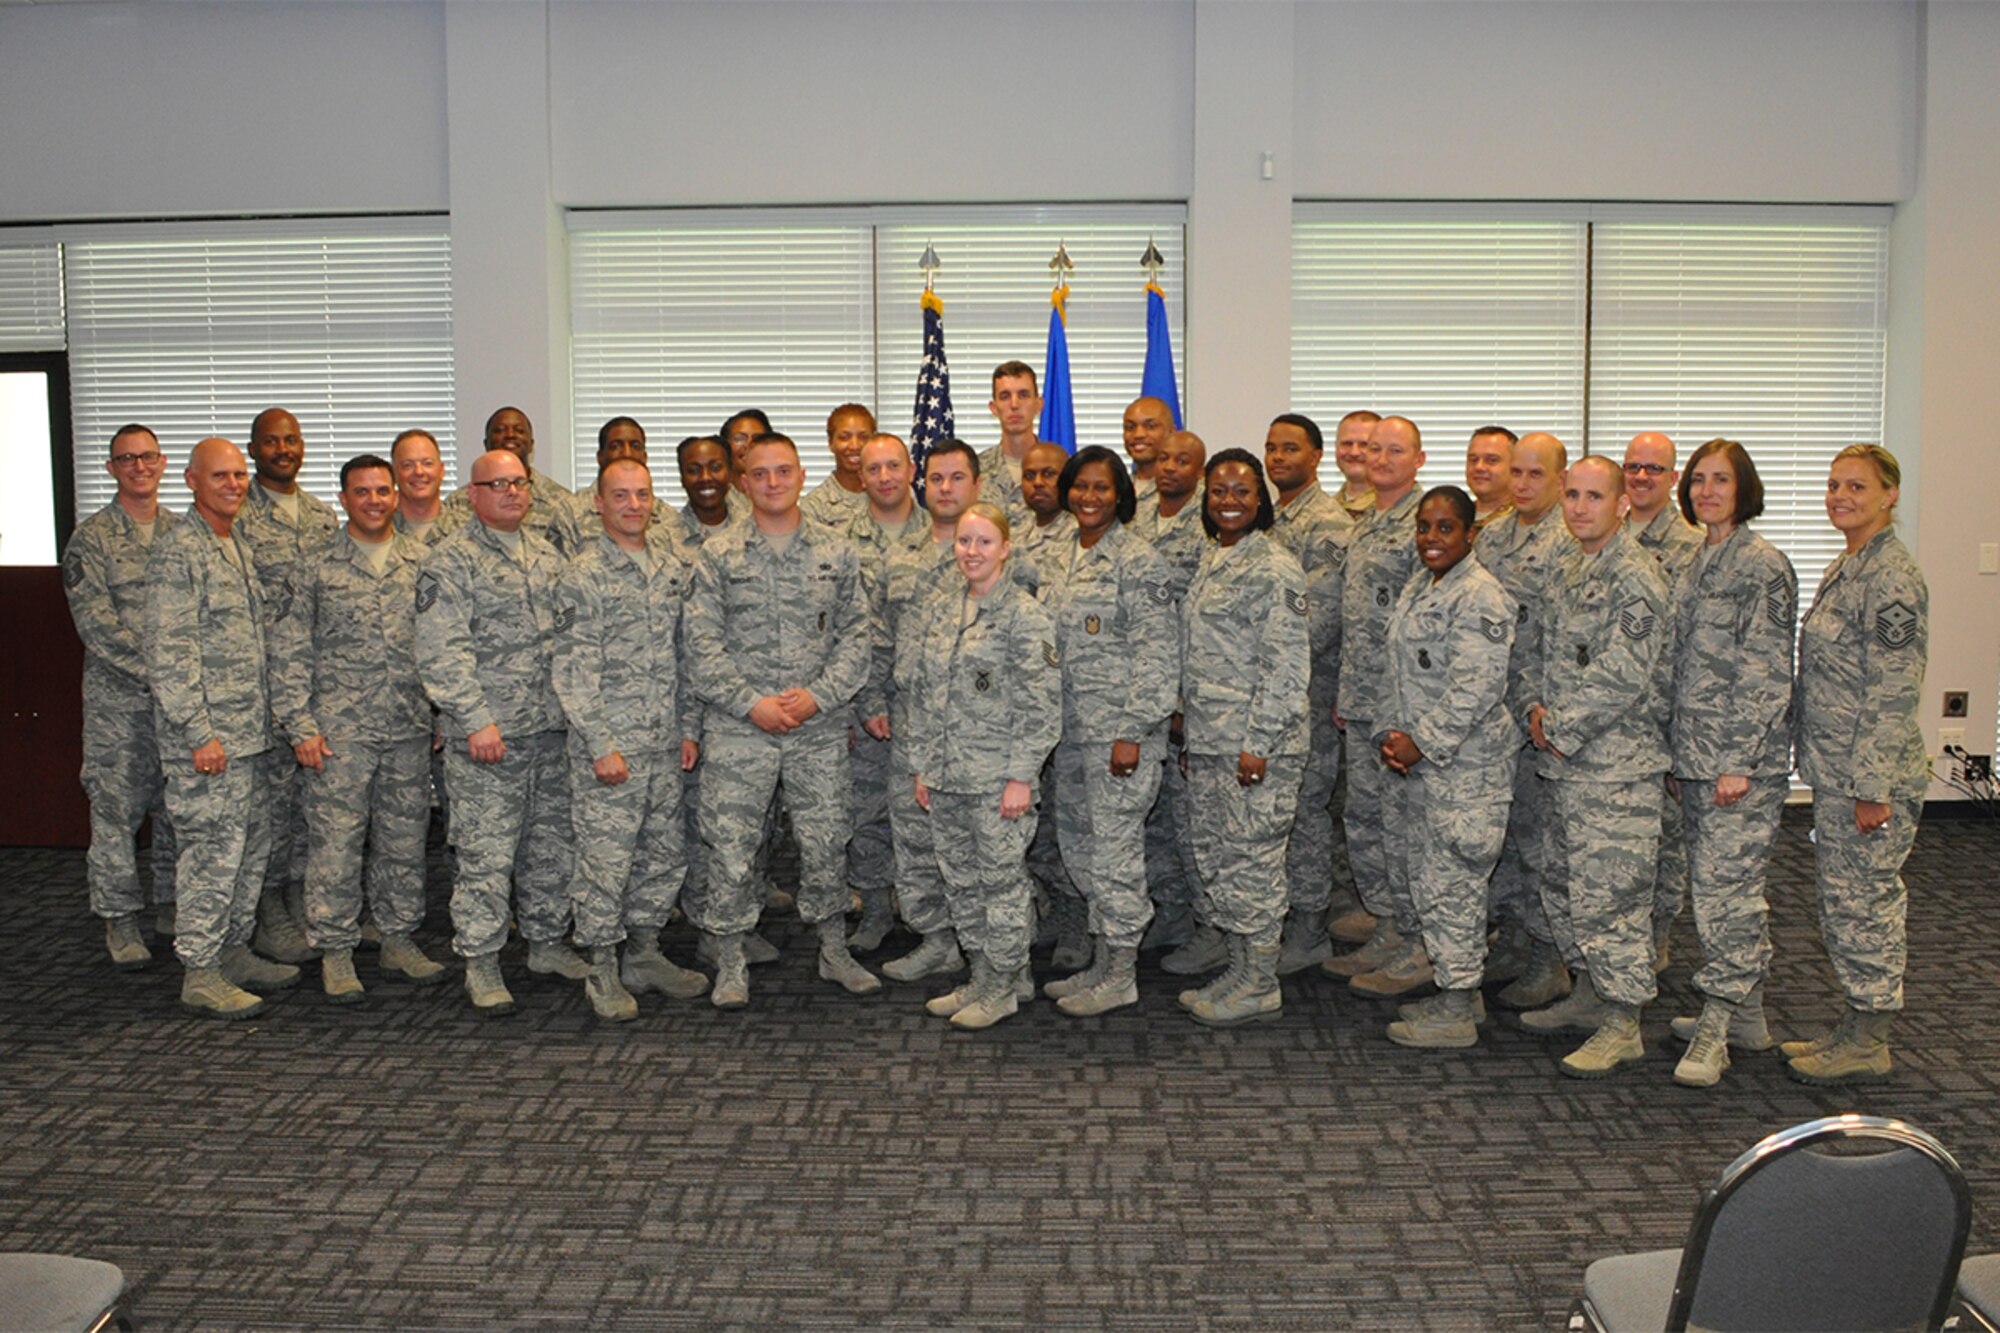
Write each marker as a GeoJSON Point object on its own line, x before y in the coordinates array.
{"type": "Point", "coordinates": [1169, 701]}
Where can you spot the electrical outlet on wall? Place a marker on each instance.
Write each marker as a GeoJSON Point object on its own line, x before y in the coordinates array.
{"type": "Point", "coordinates": [1950, 738]}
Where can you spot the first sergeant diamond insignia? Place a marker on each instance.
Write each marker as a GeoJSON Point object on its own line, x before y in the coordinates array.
{"type": "Point", "coordinates": [1896, 625]}
{"type": "Point", "coordinates": [1636, 619]}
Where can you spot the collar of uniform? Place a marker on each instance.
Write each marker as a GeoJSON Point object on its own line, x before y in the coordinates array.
{"type": "Point", "coordinates": [1401, 510]}
{"type": "Point", "coordinates": [1661, 526]}
{"type": "Point", "coordinates": [353, 552]}
{"type": "Point", "coordinates": [1299, 503]}
{"type": "Point", "coordinates": [491, 541]}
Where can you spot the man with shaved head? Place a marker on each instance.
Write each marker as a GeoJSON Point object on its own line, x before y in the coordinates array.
{"type": "Point", "coordinates": [1597, 714]}
{"type": "Point", "coordinates": [1651, 476]}
{"type": "Point", "coordinates": [1522, 551]}
{"type": "Point", "coordinates": [486, 625]}
{"type": "Point", "coordinates": [1171, 520]}
{"type": "Point", "coordinates": [286, 529]}
{"type": "Point", "coordinates": [552, 512]}
{"type": "Point", "coordinates": [205, 656]}
{"type": "Point", "coordinates": [1148, 423]}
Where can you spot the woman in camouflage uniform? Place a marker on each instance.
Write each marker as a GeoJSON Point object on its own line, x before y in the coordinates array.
{"type": "Point", "coordinates": [1730, 734]}
{"type": "Point", "coordinates": [986, 696]}
{"type": "Point", "coordinates": [1246, 653]}
{"type": "Point", "coordinates": [1446, 729]}
{"type": "Point", "coordinates": [1861, 673]}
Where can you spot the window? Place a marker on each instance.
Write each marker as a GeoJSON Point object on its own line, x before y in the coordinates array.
{"type": "Point", "coordinates": [1765, 325]}
{"type": "Point", "coordinates": [194, 329]}
{"type": "Point", "coordinates": [679, 318]}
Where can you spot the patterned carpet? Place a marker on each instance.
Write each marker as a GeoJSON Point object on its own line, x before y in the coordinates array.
{"type": "Point", "coordinates": [818, 1161]}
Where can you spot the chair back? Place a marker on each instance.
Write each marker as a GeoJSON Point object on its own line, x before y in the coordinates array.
{"type": "Point", "coordinates": [1796, 1237]}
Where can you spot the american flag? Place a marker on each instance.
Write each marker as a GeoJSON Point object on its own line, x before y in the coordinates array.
{"type": "Point", "coordinates": [934, 420]}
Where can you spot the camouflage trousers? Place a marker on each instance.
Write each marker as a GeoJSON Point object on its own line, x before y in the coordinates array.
{"type": "Point", "coordinates": [1309, 855]}
{"type": "Point", "coordinates": [694, 885]}
{"type": "Point", "coordinates": [920, 889]}
{"type": "Point", "coordinates": [1399, 845]}
{"type": "Point", "coordinates": [1239, 835]}
{"type": "Point", "coordinates": [369, 799]}
{"type": "Point", "coordinates": [122, 777]}
{"type": "Point", "coordinates": [509, 823]}
{"type": "Point", "coordinates": [747, 767]}
{"type": "Point", "coordinates": [1728, 848]}
{"type": "Point", "coordinates": [1671, 873]}
{"type": "Point", "coordinates": [1597, 882]}
{"type": "Point", "coordinates": [871, 854]}
{"type": "Point", "coordinates": [223, 844]}
{"type": "Point", "coordinates": [1101, 827]}
{"type": "Point", "coordinates": [1368, 819]}
{"type": "Point", "coordinates": [1863, 904]}
{"type": "Point", "coordinates": [283, 802]}
{"type": "Point", "coordinates": [629, 841]}
{"type": "Point", "coordinates": [1516, 891]}
{"type": "Point", "coordinates": [982, 859]}
{"type": "Point", "coordinates": [1170, 874]}
{"type": "Point", "coordinates": [1045, 863]}
{"type": "Point", "coordinates": [1455, 821]}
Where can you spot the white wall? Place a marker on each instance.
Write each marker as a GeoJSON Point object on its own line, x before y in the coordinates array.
{"type": "Point", "coordinates": [149, 110]}
{"type": "Point", "coordinates": [506, 111]}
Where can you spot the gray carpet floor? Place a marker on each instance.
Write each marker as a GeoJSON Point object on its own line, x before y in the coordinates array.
{"type": "Point", "coordinates": [818, 1161]}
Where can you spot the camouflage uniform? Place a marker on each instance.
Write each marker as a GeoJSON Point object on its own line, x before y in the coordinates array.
{"type": "Point", "coordinates": [1731, 714]}
{"type": "Point", "coordinates": [553, 512]}
{"type": "Point", "coordinates": [1673, 543]}
{"type": "Point", "coordinates": [590, 525]}
{"type": "Point", "coordinates": [690, 533]}
{"type": "Point", "coordinates": [1246, 658]}
{"type": "Point", "coordinates": [104, 576]}
{"type": "Point", "coordinates": [1113, 607]}
{"type": "Point", "coordinates": [1523, 556]}
{"type": "Point", "coordinates": [204, 646]}
{"type": "Point", "coordinates": [448, 521]}
{"type": "Point", "coordinates": [486, 620]}
{"type": "Point", "coordinates": [759, 622]}
{"type": "Point", "coordinates": [833, 505]}
{"type": "Point", "coordinates": [344, 666]}
{"type": "Point", "coordinates": [1605, 663]}
{"type": "Point", "coordinates": [1170, 873]}
{"type": "Point", "coordinates": [1449, 645]}
{"type": "Point", "coordinates": [1381, 556]}
{"type": "Point", "coordinates": [1861, 673]}
{"type": "Point", "coordinates": [1314, 528]}
{"type": "Point", "coordinates": [1037, 549]}
{"type": "Point", "coordinates": [1358, 504]}
{"type": "Point", "coordinates": [283, 545]}
{"type": "Point", "coordinates": [1000, 480]}
{"type": "Point", "coordinates": [871, 851]}
{"type": "Point", "coordinates": [617, 673]}
{"type": "Point", "coordinates": [910, 577]}
{"type": "Point", "coordinates": [986, 697]}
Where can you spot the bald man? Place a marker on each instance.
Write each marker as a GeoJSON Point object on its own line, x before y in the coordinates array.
{"type": "Point", "coordinates": [1523, 551]}
{"type": "Point", "coordinates": [1651, 476]}
{"type": "Point", "coordinates": [205, 656]}
{"type": "Point", "coordinates": [1148, 423]}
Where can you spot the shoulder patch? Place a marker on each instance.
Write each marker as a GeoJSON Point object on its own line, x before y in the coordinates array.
{"type": "Point", "coordinates": [1495, 630]}
{"type": "Point", "coordinates": [72, 570]}
{"type": "Point", "coordinates": [427, 592]}
{"type": "Point", "coordinates": [1295, 602]}
{"type": "Point", "coordinates": [1636, 620]}
{"type": "Point", "coordinates": [1896, 625]}
{"type": "Point", "coordinates": [1777, 601]}
{"type": "Point", "coordinates": [565, 619]}
{"type": "Point", "coordinates": [1160, 592]}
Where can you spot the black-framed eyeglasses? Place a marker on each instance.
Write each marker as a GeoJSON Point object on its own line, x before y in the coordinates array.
{"type": "Point", "coordinates": [499, 484]}
{"type": "Point", "coordinates": [1650, 469]}
{"type": "Point", "coordinates": [127, 460]}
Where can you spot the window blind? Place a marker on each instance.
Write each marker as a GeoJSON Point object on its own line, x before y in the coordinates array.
{"type": "Point", "coordinates": [194, 329]}
{"type": "Point", "coordinates": [31, 297]}
{"type": "Point", "coordinates": [1454, 318]}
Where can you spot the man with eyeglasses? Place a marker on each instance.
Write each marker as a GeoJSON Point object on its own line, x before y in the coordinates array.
{"type": "Point", "coordinates": [104, 577]}
{"type": "Point", "coordinates": [552, 507]}
{"type": "Point", "coordinates": [487, 611]}
{"type": "Point", "coordinates": [1674, 543]}
{"type": "Point", "coordinates": [286, 528]}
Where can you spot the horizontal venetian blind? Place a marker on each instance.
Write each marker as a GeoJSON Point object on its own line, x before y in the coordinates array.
{"type": "Point", "coordinates": [31, 297]}
{"type": "Point", "coordinates": [1456, 317]}
{"type": "Point", "coordinates": [681, 321]}
{"type": "Point", "coordinates": [194, 329]}
{"type": "Point", "coordinates": [1768, 327]}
